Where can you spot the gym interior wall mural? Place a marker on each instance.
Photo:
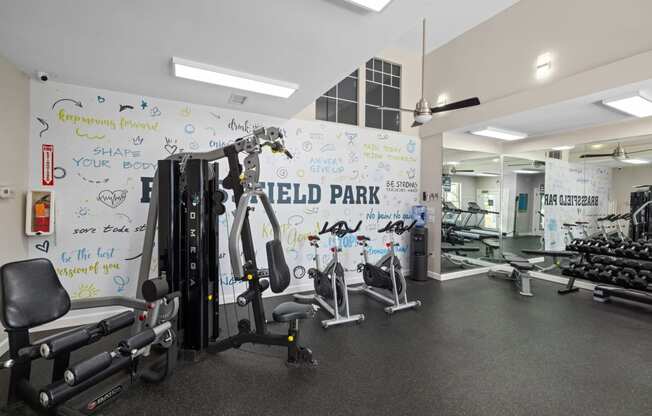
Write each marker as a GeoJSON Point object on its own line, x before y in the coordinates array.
{"type": "Point", "coordinates": [106, 146]}
{"type": "Point", "coordinates": [573, 192]}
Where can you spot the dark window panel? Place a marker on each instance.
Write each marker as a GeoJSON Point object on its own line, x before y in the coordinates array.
{"type": "Point", "coordinates": [325, 109]}
{"type": "Point", "coordinates": [373, 94]}
{"type": "Point", "coordinates": [378, 65]}
{"type": "Point", "coordinates": [378, 77]}
{"type": "Point", "coordinates": [348, 89]}
{"type": "Point", "coordinates": [370, 63]}
{"type": "Point", "coordinates": [347, 112]}
{"type": "Point", "coordinates": [396, 82]}
{"type": "Point", "coordinates": [396, 70]}
{"type": "Point", "coordinates": [372, 117]}
{"type": "Point", "coordinates": [391, 97]}
{"type": "Point", "coordinates": [321, 112]}
{"type": "Point", "coordinates": [391, 120]}
{"type": "Point", "coordinates": [331, 93]}
{"type": "Point", "coordinates": [354, 74]}
{"type": "Point", "coordinates": [387, 79]}
{"type": "Point", "coordinates": [370, 75]}
{"type": "Point", "coordinates": [387, 68]}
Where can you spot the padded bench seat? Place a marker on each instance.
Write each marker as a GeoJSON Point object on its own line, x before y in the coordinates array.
{"type": "Point", "coordinates": [290, 311]}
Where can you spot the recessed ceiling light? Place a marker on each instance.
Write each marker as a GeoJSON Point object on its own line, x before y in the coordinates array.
{"type": "Point", "coordinates": [636, 161]}
{"type": "Point", "coordinates": [544, 65]}
{"type": "Point", "coordinates": [499, 134]}
{"type": "Point", "coordinates": [528, 171]}
{"type": "Point", "coordinates": [597, 146]}
{"type": "Point", "coordinates": [634, 105]}
{"type": "Point", "coordinates": [567, 147]}
{"type": "Point", "coordinates": [197, 71]}
{"type": "Point", "coordinates": [373, 5]}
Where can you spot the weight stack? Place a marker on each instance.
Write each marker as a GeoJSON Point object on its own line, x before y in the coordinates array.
{"type": "Point", "coordinates": [419, 254]}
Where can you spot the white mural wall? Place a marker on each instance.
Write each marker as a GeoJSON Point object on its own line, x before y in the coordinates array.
{"type": "Point", "coordinates": [106, 146]}
{"type": "Point", "coordinates": [573, 192]}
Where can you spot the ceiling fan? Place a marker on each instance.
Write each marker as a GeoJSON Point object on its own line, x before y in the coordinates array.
{"type": "Point", "coordinates": [423, 112]}
{"type": "Point", "coordinates": [452, 171]}
{"type": "Point", "coordinates": [534, 164]}
{"type": "Point", "coordinates": [619, 153]}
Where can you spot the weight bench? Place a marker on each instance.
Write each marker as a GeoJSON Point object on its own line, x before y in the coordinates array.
{"type": "Point", "coordinates": [520, 273]}
{"type": "Point", "coordinates": [491, 246]}
{"type": "Point", "coordinates": [556, 258]}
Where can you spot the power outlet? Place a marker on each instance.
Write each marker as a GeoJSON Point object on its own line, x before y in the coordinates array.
{"type": "Point", "coordinates": [7, 192]}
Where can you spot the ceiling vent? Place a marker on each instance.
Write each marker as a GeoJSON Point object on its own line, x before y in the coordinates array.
{"type": "Point", "coordinates": [237, 99]}
{"type": "Point", "coordinates": [555, 154]}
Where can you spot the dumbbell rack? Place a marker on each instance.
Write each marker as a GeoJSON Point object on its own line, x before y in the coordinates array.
{"type": "Point", "coordinates": [627, 268]}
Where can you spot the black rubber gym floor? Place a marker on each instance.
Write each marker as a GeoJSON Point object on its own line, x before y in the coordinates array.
{"type": "Point", "coordinates": [475, 347]}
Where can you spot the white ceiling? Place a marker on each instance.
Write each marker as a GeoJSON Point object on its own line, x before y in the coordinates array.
{"type": "Point", "coordinates": [566, 116]}
{"type": "Point", "coordinates": [438, 31]}
{"type": "Point", "coordinates": [127, 45]}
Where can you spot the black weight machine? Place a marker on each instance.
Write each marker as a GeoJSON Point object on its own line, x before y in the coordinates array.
{"type": "Point", "coordinates": [32, 295]}
{"type": "Point", "coordinates": [186, 202]}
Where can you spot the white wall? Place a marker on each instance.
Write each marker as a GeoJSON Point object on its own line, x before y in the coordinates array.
{"type": "Point", "coordinates": [410, 88]}
{"type": "Point", "coordinates": [468, 187]}
{"type": "Point", "coordinates": [14, 125]}
{"type": "Point", "coordinates": [431, 170]}
{"type": "Point", "coordinates": [596, 45]}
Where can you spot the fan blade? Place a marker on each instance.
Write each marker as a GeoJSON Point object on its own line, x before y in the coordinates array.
{"type": "Point", "coordinates": [407, 110]}
{"type": "Point", "coordinates": [596, 155]}
{"type": "Point", "coordinates": [639, 151]}
{"type": "Point", "coordinates": [469, 102]}
{"type": "Point", "coordinates": [416, 124]}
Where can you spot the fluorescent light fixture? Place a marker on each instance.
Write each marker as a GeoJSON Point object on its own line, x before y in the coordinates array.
{"type": "Point", "coordinates": [567, 147]}
{"type": "Point", "coordinates": [451, 163]}
{"type": "Point", "coordinates": [544, 65]}
{"type": "Point", "coordinates": [373, 5]}
{"type": "Point", "coordinates": [499, 134]}
{"type": "Point", "coordinates": [527, 171]}
{"type": "Point", "coordinates": [597, 146]}
{"type": "Point", "coordinates": [634, 105]}
{"type": "Point", "coordinates": [197, 71]}
{"type": "Point", "coordinates": [496, 160]}
{"type": "Point", "coordinates": [487, 174]}
{"type": "Point", "coordinates": [636, 161]}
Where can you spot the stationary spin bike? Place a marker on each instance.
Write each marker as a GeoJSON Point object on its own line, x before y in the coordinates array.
{"type": "Point", "coordinates": [330, 285]}
{"type": "Point", "coordinates": [377, 276]}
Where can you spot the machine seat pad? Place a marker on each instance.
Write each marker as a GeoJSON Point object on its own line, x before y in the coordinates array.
{"type": "Point", "coordinates": [279, 272]}
{"type": "Point", "coordinates": [510, 257]}
{"type": "Point", "coordinates": [524, 266]}
{"type": "Point", "coordinates": [31, 294]}
{"type": "Point", "coordinates": [289, 311]}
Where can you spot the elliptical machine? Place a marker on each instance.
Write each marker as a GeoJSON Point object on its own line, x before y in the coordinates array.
{"type": "Point", "coordinates": [377, 276]}
{"type": "Point", "coordinates": [330, 285]}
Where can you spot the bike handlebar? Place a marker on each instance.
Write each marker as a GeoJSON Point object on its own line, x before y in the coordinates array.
{"type": "Point", "coordinates": [397, 227]}
{"type": "Point", "coordinates": [340, 228]}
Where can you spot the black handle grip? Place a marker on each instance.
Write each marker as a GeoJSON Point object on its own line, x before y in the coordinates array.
{"type": "Point", "coordinates": [324, 229]}
{"type": "Point", "coordinates": [138, 341]}
{"type": "Point", "coordinates": [386, 228]}
{"type": "Point", "coordinates": [86, 369]}
{"type": "Point", "coordinates": [115, 323]}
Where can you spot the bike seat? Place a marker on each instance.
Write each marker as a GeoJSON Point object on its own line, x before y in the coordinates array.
{"type": "Point", "coordinates": [581, 222]}
{"type": "Point", "coordinates": [289, 311]}
{"type": "Point", "coordinates": [363, 238]}
{"type": "Point", "coordinates": [313, 238]}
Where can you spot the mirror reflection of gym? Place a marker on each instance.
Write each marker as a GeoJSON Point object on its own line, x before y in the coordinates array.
{"type": "Point", "coordinates": [471, 210]}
